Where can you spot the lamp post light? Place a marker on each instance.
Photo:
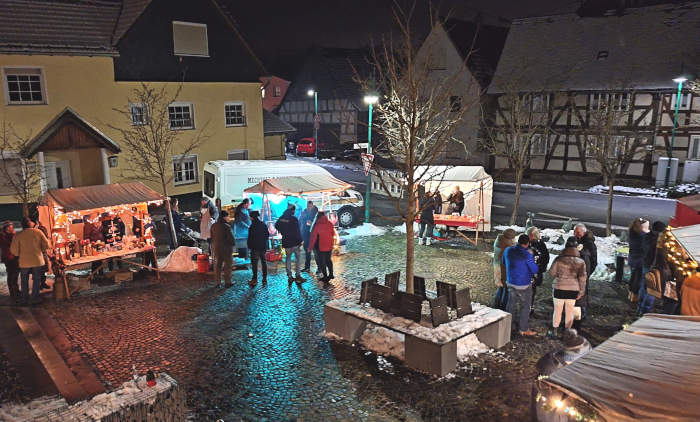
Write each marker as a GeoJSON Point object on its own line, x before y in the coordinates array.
{"type": "Point", "coordinates": [371, 99]}
{"type": "Point", "coordinates": [679, 80]}
{"type": "Point", "coordinates": [317, 120]}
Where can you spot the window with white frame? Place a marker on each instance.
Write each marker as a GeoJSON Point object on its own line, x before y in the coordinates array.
{"type": "Point", "coordinates": [237, 154]}
{"type": "Point", "coordinates": [190, 39]}
{"type": "Point", "coordinates": [618, 146]}
{"type": "Point", "coordinates": [619, 101]}
{"type": "Point", "coordinates": [185, 169]}
{"type": "Point", "coordinates": [538, 145]}
{"type": "Point", "coordinates": [24, 85]}
{"type": "Point", "coordinates": [181, 116]}
{"type": "Point", "coordinates": [139, 114]}
{"type": "Point", "coordinates": [539, 103]}
{"type": "Point", "coordinates": [278, 91]}
{"type": "Point", "coordinates": [694, 147]}
{"type": "Point", "coordinates": [235, 113]}
{"type": "Point", "coordinates": [684, 103]}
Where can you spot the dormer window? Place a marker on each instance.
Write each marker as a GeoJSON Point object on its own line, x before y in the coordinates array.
{"type": "Point", "coordinates": [190, 39]}
{"type": "Point", "coordinates": [602, 55]}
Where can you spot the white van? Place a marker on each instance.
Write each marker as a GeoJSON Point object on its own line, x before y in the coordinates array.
{"type": "Point", "coordinates": [227, 180]}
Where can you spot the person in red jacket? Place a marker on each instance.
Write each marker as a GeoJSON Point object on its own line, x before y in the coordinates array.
{"type": "Point", "coordinates": [11, 262]}
{"type": "Point", "coordinates": [323, 234]}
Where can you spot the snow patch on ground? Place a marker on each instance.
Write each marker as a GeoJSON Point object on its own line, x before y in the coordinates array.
{"type": "Point", "coordinates": [607, 247]}
{"type": "Point", "coordinates": [383, 342]}
{"type": "Point", "coordinates": [365, 229]}
{"type": "Point", "coordinates": [470, 346]}
{"type": "Point", "coordinates": [686, 188]}
{"type": "Point", "coordinates": [98, 407]}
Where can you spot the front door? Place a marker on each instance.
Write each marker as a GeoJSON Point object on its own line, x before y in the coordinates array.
{"type": "Point", "coordinates": [58, 174]}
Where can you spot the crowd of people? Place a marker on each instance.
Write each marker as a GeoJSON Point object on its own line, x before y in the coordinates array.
{"type": "Point", "coordinates": [312, 232]}
{"type": "Point", "coordinates": [431, 203]}
{"type": "Point", "coordinates": [519, 266]}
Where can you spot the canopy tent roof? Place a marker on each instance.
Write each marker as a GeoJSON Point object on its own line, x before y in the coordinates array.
{"type": "Point", "coordinates": [691, 201]}
{"type": "Point", "coordinates": [300, 185]}
{"type": "Point", "coordinates": [689, 238]}
{"type": "Point", "coordinates": [453, 173]}
{"type": "Point", "coordinates": [100, 196]}
{"type": "Point", "coordinates": [650, 371]}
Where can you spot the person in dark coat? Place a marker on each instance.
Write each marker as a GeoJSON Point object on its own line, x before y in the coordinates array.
{"type": "Point", "coordinates": [637, 234]}
{"type": "Point", "coordinates": [456, 200]}
{"type": "Point", "coordinates": [222, 243]}
{"type": "Point", "coordinates": [427, 222]}
{"type": "Point", "coordinates": [646, 301]}
{"type": "Point", "coordinates": [589, 253]}
{"type": "Point", "coordinates": [306, 220]}
{"type": "Point", "coordinates": [540, 254]}
{"type": "Point", "coordinates": [502, 242]}
{"type": "Point", "coordinates": [11, 262]}
{"type": "Point", "coordinates": [288, 226]}
{"type": "Point", "coordinates": [437, 198]}
{"type": "Point", "coordinates": [257, 243]}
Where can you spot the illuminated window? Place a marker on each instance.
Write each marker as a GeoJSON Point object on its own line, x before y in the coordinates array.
{"type": "Point", "coordinates": [190, 39]}
{"type": "Point", "coordinates": [278, 91]}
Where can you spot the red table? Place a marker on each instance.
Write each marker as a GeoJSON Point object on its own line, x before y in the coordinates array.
{"type": "Point", "coordinates": [469, 221]}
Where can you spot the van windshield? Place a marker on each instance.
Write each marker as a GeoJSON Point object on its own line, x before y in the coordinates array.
{"type": "Point", "coordinates": [209, 182]}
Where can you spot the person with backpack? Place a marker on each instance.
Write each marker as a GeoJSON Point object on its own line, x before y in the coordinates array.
{"type": "Point", "coordinates": [288, 226]}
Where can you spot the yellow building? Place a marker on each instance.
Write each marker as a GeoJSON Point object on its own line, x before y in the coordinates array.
{"type": "Point", "coordinates": [66, 67]}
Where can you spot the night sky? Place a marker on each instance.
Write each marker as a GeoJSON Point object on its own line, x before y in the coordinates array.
{"type": "Point", "coordinates": [280, 31]}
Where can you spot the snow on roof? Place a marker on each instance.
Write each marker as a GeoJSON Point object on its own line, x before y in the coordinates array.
{"type": "Point", "coordinates": [642, 48]}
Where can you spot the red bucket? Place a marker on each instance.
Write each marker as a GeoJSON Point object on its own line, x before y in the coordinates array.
{"type": "Point", "coordinates": [202, 263]}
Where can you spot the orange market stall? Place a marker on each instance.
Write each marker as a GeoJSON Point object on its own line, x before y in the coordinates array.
{"type": "Point", "coordinates": [92, 225]}
{"type": "Point", "coordinates": [276, 193]}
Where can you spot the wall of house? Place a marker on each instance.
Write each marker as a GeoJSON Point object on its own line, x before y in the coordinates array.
{"type": "Point", "coordinates": [85, 165]}
{"type": "Point", "coordinates": [448, 67]}
{"type": "Point", "coordinates": [87, 85]}
{"type": "Point", "coordinates": [651, 118]}
{"type": "Point", "coordinates": [270, 84]}
{"type": "Point", "coordinates": [274, 147]}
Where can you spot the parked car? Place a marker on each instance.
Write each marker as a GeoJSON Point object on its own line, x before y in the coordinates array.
{"type": "Point", "coordinates": [307, 146]}
{"type": "Point", "coordinates": [290, 145]}
{"type": "Point", "coordinates": [351, 154]}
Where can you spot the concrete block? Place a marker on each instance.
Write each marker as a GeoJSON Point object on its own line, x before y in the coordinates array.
{"type": "Point", "coordinates": [496, 334]}
{"type": "Point", "coordinates": [430, 357]}
{"type": "Point", "coordinates": [343, 325]}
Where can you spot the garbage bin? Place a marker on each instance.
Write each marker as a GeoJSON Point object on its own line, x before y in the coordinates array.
{"type": "Point", "coordinates": [621, 254]}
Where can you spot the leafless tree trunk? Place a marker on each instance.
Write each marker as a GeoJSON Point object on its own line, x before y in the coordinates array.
{"type": "Point", "coordinates": [516, 199]}
{"type": "Point", "coordinates": [416, 119]}
{"type": "Point", "coordinates": [152, 143]}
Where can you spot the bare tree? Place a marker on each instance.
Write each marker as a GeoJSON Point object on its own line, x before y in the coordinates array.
{"type": "Point", "coordinates": [416, 119]}
{"type": "Point", "coordinates": [21, 176]}
{"type": "Point", "coordinates": [151, 140]}
{"type": "Point", "coordinates": [513, 124]}
{"type": "Point", "coordinates": [610, 140]}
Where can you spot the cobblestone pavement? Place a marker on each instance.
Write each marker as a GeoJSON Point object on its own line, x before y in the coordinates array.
{"type": "Point", "coordinates": [258, 354]}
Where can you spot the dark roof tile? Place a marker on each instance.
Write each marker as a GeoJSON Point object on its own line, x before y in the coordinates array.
{"type": "Point", "coordinates": [273, 125]}
{"type": "Point", "coordinates": [42, 26]}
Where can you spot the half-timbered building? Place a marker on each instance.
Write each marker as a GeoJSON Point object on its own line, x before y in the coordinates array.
{"type": "Point", "coordinates": [570, 66]}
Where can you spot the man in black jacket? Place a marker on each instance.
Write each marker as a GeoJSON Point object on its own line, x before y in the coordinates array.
{"type": "Point", "coordinates": [589, 254]}
{"type": "Point", "coordinates": [257, 243]}
{"type": "Point", "coordinates": [288, 227]}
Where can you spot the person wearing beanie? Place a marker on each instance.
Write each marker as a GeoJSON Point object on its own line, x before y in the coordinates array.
{"type": "Point", "coordinates": [222, 243]}
{"type": "Point", "coordinates": [258, 236]}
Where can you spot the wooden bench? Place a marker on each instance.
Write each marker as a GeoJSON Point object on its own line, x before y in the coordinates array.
{"type": "Point", "coordinates": [427, 349]}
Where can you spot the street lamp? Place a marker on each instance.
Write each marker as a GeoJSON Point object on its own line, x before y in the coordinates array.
{"type": "Point", "coordinates": [313, 93]}
{"type": "Point", "coordinates": [679, 80]}
{"type": "Point", "coordinates": [371, 99]}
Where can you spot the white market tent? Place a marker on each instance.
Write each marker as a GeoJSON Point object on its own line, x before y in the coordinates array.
{"type": "Point", "coordinates": [473, 181]}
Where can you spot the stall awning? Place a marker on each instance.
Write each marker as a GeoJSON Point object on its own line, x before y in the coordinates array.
{"type": "Point", "coordinates": [689, 239]}
{"type": "Point", "coordinates": [100, 196]}
{"type": "Point", "coordinates": [300, 185]}
{"type": "Point", "coordinates": [648, 372]}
